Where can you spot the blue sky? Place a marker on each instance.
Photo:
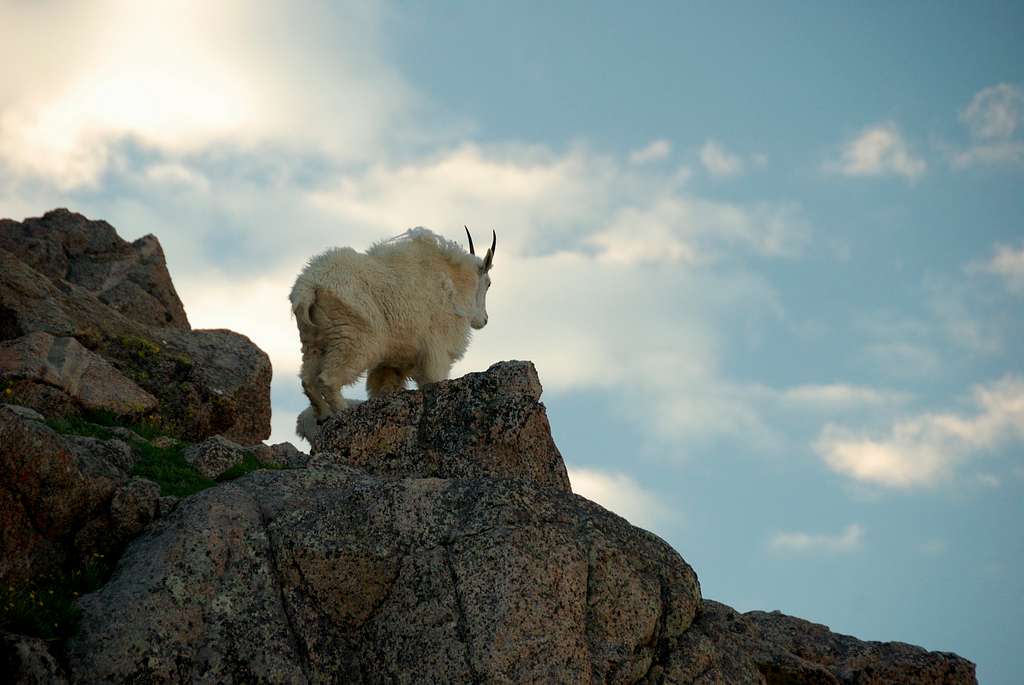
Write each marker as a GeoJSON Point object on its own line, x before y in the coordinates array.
{"type": "Point", "coordinates": [769, 261]}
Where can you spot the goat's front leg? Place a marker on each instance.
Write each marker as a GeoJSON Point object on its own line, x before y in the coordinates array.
{"type": "Point", "coordinates": [431, 369]}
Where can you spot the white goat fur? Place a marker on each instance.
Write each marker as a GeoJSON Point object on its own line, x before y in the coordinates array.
{"type": "Point", "coordinates": [404, 309]}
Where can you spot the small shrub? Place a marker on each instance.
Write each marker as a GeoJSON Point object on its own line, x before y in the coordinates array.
{"type": "Point", "coordinates": [139, 347]}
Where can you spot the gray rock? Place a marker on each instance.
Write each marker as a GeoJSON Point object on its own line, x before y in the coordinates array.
{"type": "Point", "coordinates": [133, 506]}
{"type": "Point", "coordinates": [96, 455]}
{"type": "Point", "coordinates": [280, 455]}
{"type": "Point", "coordinates": [231, 377]}
{"type": "Point", "coordinates": [326, 573]}
{"type": "Point", "coordinates": [726, 647]}
{"type": "Point", "coordinates": [83, 375]}
{"type": "Point", "coordinates": [27, 661]}
{"type": "Point", "coordinates": [488, 424]}
{"type": "Point", "coordinates": [25, 412]}
{"type": "Point", "coordinates": [215, 455]}
{"type": "Point", "coordinates": [166, 505]}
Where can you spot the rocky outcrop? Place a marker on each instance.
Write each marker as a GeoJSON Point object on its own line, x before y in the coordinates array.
{"type": "Point", "coordinates": [329, 573]}
{"type": "Point", "coordinates": [66, 277]}
{"type": "Point", "coordinates": [431, 537]}
{"type": "Point", "coordinates": [130, 277]}
{"type": "Point", "coordinates": [726, 647]}
{"type": "Point", "coordinates": [481, 425]}
{"type": "Point", "coordinates": [283, 455]}
{"type": "Point", "coordinates": [226, 385]}
{"type": "Point", "coordinates": [63, 364]}
{"type": "Point", "coordinates": [366, 566]}
{"type": "Point", "coordinates": [217, 455]}
{"type": "Point", "coordinates": [63, 498]}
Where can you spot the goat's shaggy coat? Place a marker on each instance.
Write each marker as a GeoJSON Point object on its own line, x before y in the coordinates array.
{"type": "Point", "coordinates": [404, 309]}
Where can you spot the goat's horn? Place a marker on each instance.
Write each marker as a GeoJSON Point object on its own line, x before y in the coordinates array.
{"type": "Point", "coordinates": [471, 251]}
{"type": "Point", "coordinates": [494, 241]}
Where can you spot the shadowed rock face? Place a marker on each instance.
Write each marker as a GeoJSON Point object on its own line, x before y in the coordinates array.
{"type": "Point", "coordinates": [63, 498]}
{"type": "Point", "coordinates": [78, 303]}
{"type": "Point", "coordinates": [130, 277]}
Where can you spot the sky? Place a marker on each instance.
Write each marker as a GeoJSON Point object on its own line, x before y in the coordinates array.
{"type": "Point", "coordinates": [768, 260]}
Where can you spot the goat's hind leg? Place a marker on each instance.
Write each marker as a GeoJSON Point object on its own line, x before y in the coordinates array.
{"type": "Point", "coordinates": [343, 336]}
{"type": "Point", "coordinates": [383, 380]}
{"type": "Point", "coordinates": [338, 370]}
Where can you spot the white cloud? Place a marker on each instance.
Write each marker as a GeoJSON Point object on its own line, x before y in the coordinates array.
{"type": "Point", "coordinates": [256, 307]}
{"type": "Point", "coordinates": [879, 150]}
{"type": "Point", "coordinates": [840, 396]}
{"type": "Point", "coordinates": [578, 200]}
{"type": "Point", "coordinates": [198, 133]}
{"type": "Point", "coordinates": [680, 229]}
{"type": "Point", "coordinates": [926, 449]}
{"type": "Point", "coordinates": [994, 112]}
{"type": "Point", "coordinates": [719, 162]}
{"type": "Point", "coordinates": [851, 538]}
{"type": "Point", "coordinates": [993, 119]}
{"type": "Point", "coordinates": [172, 173]}
{"type": "Point", "coordinates": [1008, 264]}
{"type": "Point", "coordinates": [656, 150]}
{"type": "Point", "coordinates": [179, 79]}
{"type": "Point", "coordinates": [570, 299]}
{"type": "Point", "coordinates": [620, 493]}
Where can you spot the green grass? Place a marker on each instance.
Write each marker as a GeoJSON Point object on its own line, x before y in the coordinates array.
{"type": "Point", "coordinates": [166, 466]}
{"type": "Point", "coordinates": [95, 423]}
{"type": "Point", "coordinates": [163, 465]}
{"type": "Point", "coordinates": [247, 465]}
{"type": "Point", "coordinates": [75, 425]}
{"type": "Point", "coordinates": [46, 608]}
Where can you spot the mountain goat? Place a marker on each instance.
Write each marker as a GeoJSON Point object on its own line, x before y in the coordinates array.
{"type": "Point", "coordinates": [404, 309]}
